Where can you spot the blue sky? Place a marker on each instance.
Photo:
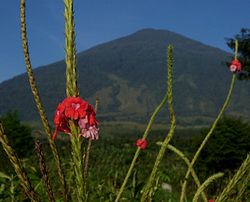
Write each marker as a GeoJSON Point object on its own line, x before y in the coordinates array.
{"type": "Point", "coordinates": [98, 21]}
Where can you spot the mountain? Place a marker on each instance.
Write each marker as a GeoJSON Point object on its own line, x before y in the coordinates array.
{"type": "Point", "coordinates": [129, 77]}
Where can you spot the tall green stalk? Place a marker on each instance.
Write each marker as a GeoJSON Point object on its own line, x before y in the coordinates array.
{"type": "Point", "coordinates": [72, 90]}
{"type": "Point", "coordinates": [184, 185]}
{"type": "Point", "coordinates": [185, 159]}
{"type": "Point", "coordinates": [147, 189]}
{"type": "Point", "coordinates": [145, 135]}
{"type": "Point", "coordinates": [243, 187]}
{"type": "Point", "coordinates": [21, 174]}
{"type": "Point", "coordinates": [38, 102]}
{"type": "Point", "coordinates": [76, 142]}
{"type": "Point", "coordinates": [244, 168]}
{"type": "Point", "coordinates": [205, 185]}
{"type": "Point", "coordinates": [70, 48]}
{"type": "Point", "coordinates": [44, 171]}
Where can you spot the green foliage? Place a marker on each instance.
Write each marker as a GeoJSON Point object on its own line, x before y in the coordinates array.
{"type": "Point", "coordinates": [110, 157]}
{"type": "Point", "coordinates": [228, 146]}
{"type": "Point", "coordinates": [244, 51]}
{"type": "Point", "coordinates": [18, 134]}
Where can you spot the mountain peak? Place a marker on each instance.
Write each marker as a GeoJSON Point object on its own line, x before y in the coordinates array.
{"type": "Point", "coordinates": [129, 77]}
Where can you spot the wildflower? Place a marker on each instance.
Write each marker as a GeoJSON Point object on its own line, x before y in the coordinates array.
{"type": "Point", "coordinates": [75, 107]}
{"type": "Point", "coordinates": [141, 143]}
{"type": "Point", "coordinates": [211, 200]}
{"type": "Point", "coordinates": [88, 130]}
{"type": "Point", "coordinates": [81, 113]}
{"type": "Point", "coordinates": [235, 66]}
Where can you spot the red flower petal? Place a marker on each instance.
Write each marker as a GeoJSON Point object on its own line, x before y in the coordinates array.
{"type": "Point", "coordinates": [75, 115]}
{"type": "Point", "coordinates": [55, 133]}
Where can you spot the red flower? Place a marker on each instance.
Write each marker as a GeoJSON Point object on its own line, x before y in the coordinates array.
{"type": "Point", "coordinates": [235, 66]}
{"type": "Point", "coordinates": [75, 107]}
{"type": "Point", "coordinates": [211, 200]}
{"type": "Point", "coordinates": [81, 112]}
{"type": "Point", "coordinates": [60, 121]}
{"type": "Point", "coordinates": [142, 143]}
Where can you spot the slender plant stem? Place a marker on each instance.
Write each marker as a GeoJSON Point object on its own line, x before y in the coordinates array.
{"type": "Point", "coordinates": [38, 101]}
{"type": "Point", "coordinates": [149, 184]}
{"type": "Point", "coordinates": [25, 182]}
{"type": "Point", "coordinates": [86, 158]}
{"type": "Point", "coordinates": [245, 167]}
{"type": "Point", "coordinates": [157, 110]}
{"type": "Point", "coordinates": [70, 47]}
{"type": "Point", "coordinates": [44, 171]}
{"type": "Point", "coordinates": [76, 142]}
{"type": "Point", "coordinates": [185, 159]}
{"type": "Point", "coordinates": [87, 153]}
{"type": "Point", "coordinates": [205, 185]}
{"type": "Point", "coordinates": [206, 139]}
{"type": "Point", "coordinates": [184, 185]}
{"type": "Point", "coordinates": [244, 185]}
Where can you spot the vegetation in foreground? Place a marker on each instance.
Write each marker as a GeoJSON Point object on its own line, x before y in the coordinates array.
{"type": "Point", "coordinates": [111, 155]}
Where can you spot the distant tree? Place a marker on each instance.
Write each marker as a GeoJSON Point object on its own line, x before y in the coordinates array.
{"type": "Point", "coordinates": [18, 134]}
{"type": "Point", "coordinates": [244, 51]}
{"type": "Point", "coordinates": [227, 147]}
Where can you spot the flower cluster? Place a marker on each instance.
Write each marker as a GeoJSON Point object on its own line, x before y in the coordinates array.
{"type": "Point", "coordinates": [142, 144]}
{"type": "Point", "coordinates": [81, 113]}
{"type": "Point", "coordinates": [235, 66]}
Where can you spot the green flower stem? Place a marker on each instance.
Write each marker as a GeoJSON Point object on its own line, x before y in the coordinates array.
{"type": "Point", "coordinates": [157, 110]}
{"type": "Point", "coordinates": [76, 143]}
{"type": "Point", "coordinates": [245, 167]}
{"type": "Point", "coordinates": [243, 187]}
{"type": "Point", "coordinates": [184, 185]}
{"type": "Point", "coordinates": [207, 138]}
{"type": "Point", "coordinates": [25, 182]}
{"type": "Point", "coordinates": [70, 47]}
{"type": "Point", "coordinates": [38, 100]}
{"type": "Point", "coordinates": [148, 186]}
{"type": "Point", "coordinates": [128, 175]}
{"type": "Point", "coordinates": [205, 185]}
{"type": "Point", "coordinates": [185, 159]}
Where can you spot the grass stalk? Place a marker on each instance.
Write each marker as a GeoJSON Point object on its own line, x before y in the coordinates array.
{"type": "Point", "coordinates": [21, 174]}
{"type": "Point", "coordinates": [243, 187]}
{"type": "Point", "coordinates": [148, 128]}
{"type": "Point", "coordinates": [76, 143]}
{"type": "Point", "coordinates": [185, 159]}
{"type": "Point", "coordinates": [245, 167]}
{"type": "Point", "coordinates": [146, 190]}
{"type": "Point", "coordinates": [70, 48]}
{"type": "Point", "coordinates": [38, 102]}
{"type": "Point", "coordinates": [205, 185]}
{"type": "Point", "coordinates": [44, 171]}
{"type": "Point", "coordinates": [184, 185]}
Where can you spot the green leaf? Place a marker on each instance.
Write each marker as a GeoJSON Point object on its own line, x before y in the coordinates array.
{"type": "Point", "coordinates": [3, 175]}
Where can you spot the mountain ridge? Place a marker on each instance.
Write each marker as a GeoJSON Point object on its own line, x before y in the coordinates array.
{"type": "Point", "coordinates": [128, 74]}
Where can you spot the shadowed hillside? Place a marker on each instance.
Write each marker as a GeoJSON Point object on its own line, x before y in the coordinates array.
{"type": "Point", "coordinates": [129, 76]}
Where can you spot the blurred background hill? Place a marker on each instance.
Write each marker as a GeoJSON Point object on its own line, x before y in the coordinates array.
{"type": "Point", "coordinates": [129, 77]}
